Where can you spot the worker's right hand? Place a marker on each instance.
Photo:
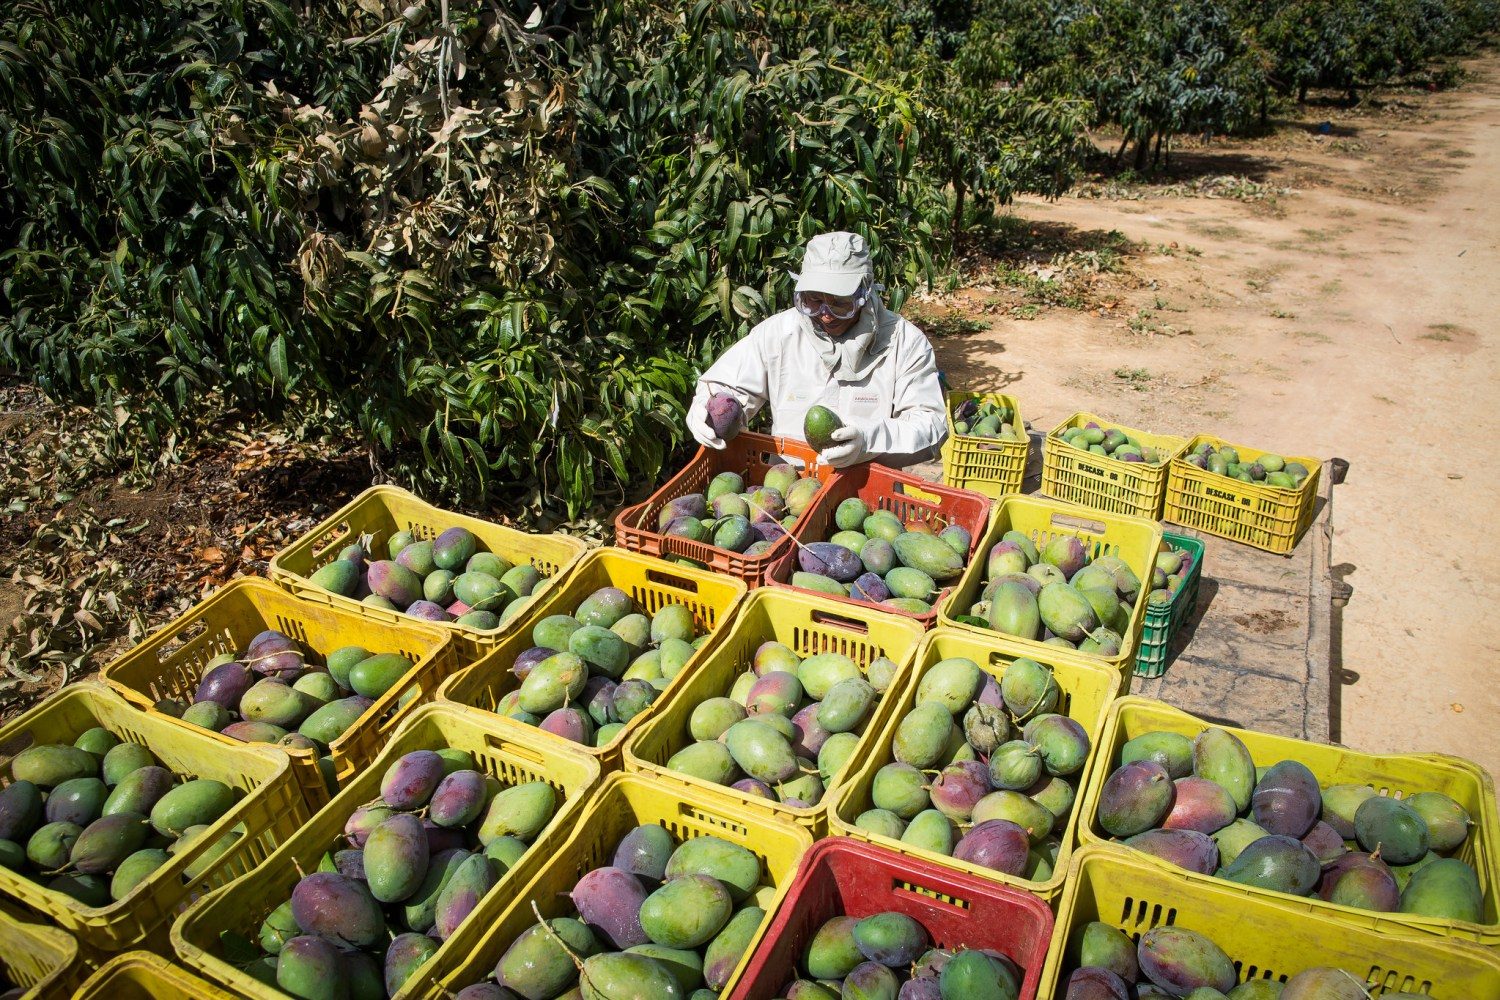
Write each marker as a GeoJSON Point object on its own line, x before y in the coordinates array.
{"type": "Point", "coordinates": [698, 426]}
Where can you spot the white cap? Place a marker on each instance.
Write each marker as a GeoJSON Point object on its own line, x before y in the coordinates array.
{"type": "Point", "coordinates": [835, 264]}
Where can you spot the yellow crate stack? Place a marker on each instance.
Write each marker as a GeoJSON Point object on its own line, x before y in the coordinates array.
{"type": "Point", "coordinates": [1088, 690]}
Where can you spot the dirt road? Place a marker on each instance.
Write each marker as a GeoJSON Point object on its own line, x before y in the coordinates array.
{"type": "Point", "coordinates": [1352, 315]}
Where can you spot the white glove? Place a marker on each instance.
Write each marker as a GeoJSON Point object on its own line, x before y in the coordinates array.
{"type": "Point", "coordinates": [848, 449]}
{"type": "Point", "coordinates": [698, 425]}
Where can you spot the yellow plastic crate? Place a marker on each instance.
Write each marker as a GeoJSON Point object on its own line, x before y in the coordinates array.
{"type": "Point", "coordinates": [170, 665]}
{"type": "Point", "coordinates": [1391, 774]}
{"type": "Point", "coordinates": [241, 907]}
{"type": "Point", "coordinates": [1266, 517]}
{"type": "Point", "coordinates": [809, 625]}
{"type": "Point", "coordinates": [380, 512]}
{"type": "Point", "coordinates": [140, 975]}
{"type": "Point", "coordinates": [1105, 483]}
{"type": "Point", "coordinates": [267, 814]}
{"type": "Point", "coordinates": [1133, 539]}
{"type": "Point", "coordinates": [624, 802]}
{"type": "Point", "coordinates": [988, 466]}
{"type": "Point", "coordinates": [1087, 692]}
{"type": "Point", "coordinates": [41, 960]}
{"type": "Point", "coordinates": [652, 584]}
{"type": "Point", "coordinates": [1265, 940]}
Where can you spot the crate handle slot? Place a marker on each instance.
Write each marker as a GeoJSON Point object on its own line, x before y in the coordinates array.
{"type": "Point", "coordinates": [13, 747]}
{"type": "Point", "coordinates": [918, 495]}
{"type": "Point", "coordinates": [514, 749]}
{"type": "Point", "coordinates": [930, 895]}
{"type": "Point", "coordinates": [709, 818]}
{"type": "Point", "coordinates": [336, 536]}
{"type": "Point", "coordinates": [820, 617]}
{"type": "Point", "coordinates": [170, 645]}
{"type": "Point", "coordinates": [668, 580]}
{"type": "Point", "coordinates": [1078, 523]}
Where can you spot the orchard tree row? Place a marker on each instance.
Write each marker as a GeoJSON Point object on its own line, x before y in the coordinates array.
{"type": "Point", "coordinates": [499, 246]}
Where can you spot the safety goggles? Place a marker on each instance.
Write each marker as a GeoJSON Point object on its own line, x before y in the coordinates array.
{"type": "Point", "coordinates": [813, 304]}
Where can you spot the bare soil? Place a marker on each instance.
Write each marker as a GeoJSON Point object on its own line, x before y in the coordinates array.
{"type": "Point", "coordinates": [1344, 307]}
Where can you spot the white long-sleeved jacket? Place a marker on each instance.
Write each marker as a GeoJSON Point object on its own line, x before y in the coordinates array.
{"type": "Point", "coordinates": [893, 396]}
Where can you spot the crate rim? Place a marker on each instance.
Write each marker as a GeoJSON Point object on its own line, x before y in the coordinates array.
{"type": "Point", "coordinates": [113, 921]}
{"type": "Point", "coordinates": [810, 817]}
{"type": "Point", "coordinates": [608, 790]}
{"type": "Point", "coordinates": [920, 868]}
{"type": "Point", "coordinates": [1124, 661]}
{"type": "Point", "coordinates": [1488, 820]}
{"type": "Point", "coordinates": [204, 963]}
{"type": "Point", "coordinates": [1105, 675]}
{"type": "Point", "coordinates": [1109, 856]}
{"type": "Point", "coordinates": [787, 563]}
{"type": "Point", "coordinates": [304, 588]}
{"type": "Point", "coordinates": [434, 666]}
{"type": "Point", "coordinates": [608, 755]}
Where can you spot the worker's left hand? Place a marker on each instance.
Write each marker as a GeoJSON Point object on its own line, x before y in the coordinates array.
{"type": "Point", "coordinates": [848, 448]}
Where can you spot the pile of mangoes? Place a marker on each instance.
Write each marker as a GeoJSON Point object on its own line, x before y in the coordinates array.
{"type": "Point", "coordinates": [1202, 805]}
{"type": "Point", "coordinates": [1173, 961]}
{"type": "Point", "coordinates": [1268, 470]}
{"type": "Point", "coordinates": [1057, 594]}
{"type": "Point", "coordinates": [662, 920]}
{"type": "Point", "coordinates": [270, 692]}
{"type": "Point", "coordinates": [1007, 769]}
{"type": "Point", "coordinates": [589, 673]}
{"type": "Point", "coordinates": [96, 818]}
{"type": "Point", "coordinates": [786, 726]}
{"type": "Point", "coordinates": [418, 861]}
{"type": "Point", "coordinates": [889, 955]}
{"type": "Point", "coordinates": [1168, 575]}
{"type": "Point", "coordinates": [445, 579]}
{"type": "Point", "coordinates": [729, 516]}
{"type": "Point", "coordinates": [876, 558]}
{"type": "Point", "coordinates": [1112, 442]}
{"type": "Point", "coordinates": [987, 419]}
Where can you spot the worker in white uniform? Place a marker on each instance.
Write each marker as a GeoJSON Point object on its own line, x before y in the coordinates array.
{"type": "Point", "coordinates": [839, 346]}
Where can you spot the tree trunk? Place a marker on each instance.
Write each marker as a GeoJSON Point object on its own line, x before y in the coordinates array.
{"type": "Point", "coordinates": [1156, 154]}
{"type": "Point", "coordinates": [1120, 153]}
{"type": "Point", "coordinates": [958, 214]}
{"type": "Point", "coordinates": [1302, 93]}
{"type": "Point", "coordinates": [1142, 148]}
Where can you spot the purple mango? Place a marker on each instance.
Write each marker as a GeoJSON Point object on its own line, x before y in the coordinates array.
{"type": "Point", "coordinates": [996, 843]}
{"type": "Point", "coordinates": [1094, 982]}
{"type": "Point", "coordinates": [225, 685]}
{"type": "Point", "coordinates": [1324, 842]}
{"type": "Point", "coordinates": [1362, 881]}
{"type": "Point", "coordinates": [869, 587]}
{"type": "Point", "coordinates": [958, 787]}
{"type": "Point", "coordinates": [1187, 849]}
{"type": "Point", "coordinates": [427, 611]}
{"type": "Point", "coordinates": [458, 799]}
{"type": "Point", "coordinates": [810, 735]}
{"type": "Point", "coordinates": [725, 415]}
{"type": "Point", "coordinates": [569, 723]}
{"type": "Point", "coordinates": [530, 658]}
{"type": "Point", "coordinates": [756, 787]}
{"type": "Point", "coordinates": [830, 560]}
{"type": "Point", "coordinates": [609, 901]}
{"type": "Point", "coordinates": [410, 781]}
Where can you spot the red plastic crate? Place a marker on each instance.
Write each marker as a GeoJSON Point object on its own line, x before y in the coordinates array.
{"type": "Point", "coordinates": [841, 877]}
{"type": "Point", "coordinates": [908, 497]}
{"type": "Point", "coordinates": [747, 454]}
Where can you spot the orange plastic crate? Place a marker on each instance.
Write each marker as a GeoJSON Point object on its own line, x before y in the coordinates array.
{"type": "Point", "coordinates": [909, 498]}
{"type": "Point", "coordinates": [750, 455]}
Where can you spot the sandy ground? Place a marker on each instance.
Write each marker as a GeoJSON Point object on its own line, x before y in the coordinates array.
{"type": "Point", "coordinates": [1352, 315]}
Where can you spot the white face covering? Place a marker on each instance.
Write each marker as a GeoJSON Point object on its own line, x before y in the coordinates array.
{"type": "Point", "coordinates": [849, 356]}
